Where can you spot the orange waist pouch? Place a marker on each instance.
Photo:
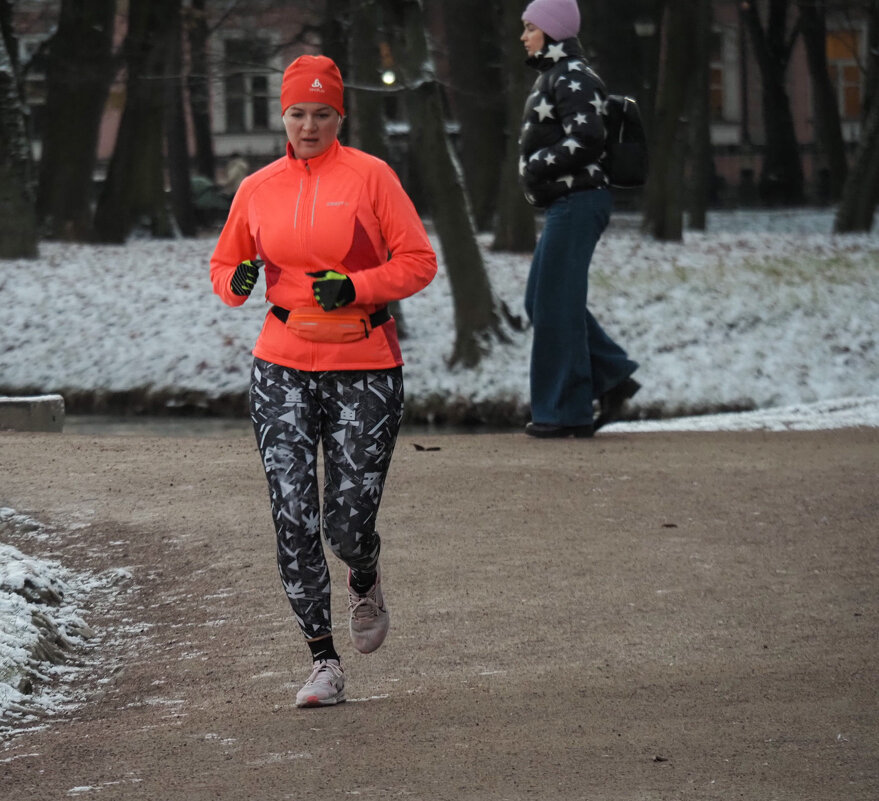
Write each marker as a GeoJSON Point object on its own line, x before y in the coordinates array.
{"type": "Point", "coordinates": [347, 324]}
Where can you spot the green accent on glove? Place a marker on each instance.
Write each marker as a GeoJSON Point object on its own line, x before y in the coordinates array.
{"type": "Point", "coordinates": [332, 290]}
{"type": "Point", "coordinates": [244, 277]}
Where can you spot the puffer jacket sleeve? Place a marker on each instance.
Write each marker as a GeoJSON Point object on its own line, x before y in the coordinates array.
{"type": "Point", "coordinates": [576, 100]}
{"type": "Point", "coordinates": [236, 244]}
{"type": "Point", "coordinates": [412, 263]}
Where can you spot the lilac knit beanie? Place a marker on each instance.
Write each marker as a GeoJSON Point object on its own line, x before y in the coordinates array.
{"type": "Point", "coordinates": [560, 19]}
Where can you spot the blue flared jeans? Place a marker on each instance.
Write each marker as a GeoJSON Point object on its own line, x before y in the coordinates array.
{"type": "Point", "coordinates": [573, 360]}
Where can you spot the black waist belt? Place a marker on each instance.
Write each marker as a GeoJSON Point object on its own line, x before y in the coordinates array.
{"type": "Point", "coordinates": [377, 318]}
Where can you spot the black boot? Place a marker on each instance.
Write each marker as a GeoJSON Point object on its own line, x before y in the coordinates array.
{"type": "Point", "coordinates": [612, 401]}
{"type": "Point", "coordinates": [550, 431]}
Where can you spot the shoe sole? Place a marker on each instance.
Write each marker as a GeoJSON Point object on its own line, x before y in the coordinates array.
{"type": "Point", "coordinates": [575, 432]}
{"type": "Point", "coordinates": [313, 701]}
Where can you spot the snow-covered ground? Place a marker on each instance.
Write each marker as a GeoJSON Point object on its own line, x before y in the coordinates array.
{"type": "Point", "coordinates": [767, 312]}
{"type": "Point", "coordinates": [764, 311]}
{"type": "Point", "coordinates": [45, 643]}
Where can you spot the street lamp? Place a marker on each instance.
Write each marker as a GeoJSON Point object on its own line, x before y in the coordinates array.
{"type": "Point", "coordinates": [389, 77]}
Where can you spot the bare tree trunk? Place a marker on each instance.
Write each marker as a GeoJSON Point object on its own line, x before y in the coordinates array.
{"type": "Point", "coordinates": [871, 90]}
{"type": "Point", "coordinates": [79, 71]}
{"type": "Point", "coordinates": [365, 99]}
{"type": "Point", "coordinates": [175, 127]}
{"type": "Point", "coordinates": [514, 228]}
{"type": "Point", "coordinates": [701, 164]}
{"type": "Point", "coordinates": [18, 219]}
{"type": "Point", "coordinates": [199, 90]}
{"type": "Point", "coordinates": [861, 192]}
{"type": "Point", "coordinates": [664, 206]}
{"type": "Point", "coordinates": [828, 129]}
{"type": "Point", "coordinates": [781, 181]}
{"type": "Point", "coordinates": [628, 61]}
{"type": "Point", "coordinates": [335, 31]}
{"type": "Point", "coordinates": [860, 195]}
{"type": "Point", "coordinates": [478, 316]}
{"type": "Point", "coordinates": [476, 97]}
{"type": "Point", "coordinates": [134, 191]}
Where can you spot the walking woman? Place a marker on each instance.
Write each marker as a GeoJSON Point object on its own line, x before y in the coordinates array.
{"type": "Point", "coordinates": [338, 239]}
{"type": "Point", "coordinates": [573, 360]}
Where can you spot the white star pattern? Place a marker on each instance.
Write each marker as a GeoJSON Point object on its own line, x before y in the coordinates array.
{"type": "Point", "coordinates": [544, 110]}
{"type": "Point", "coordinates": [570, 120]}
{"type": "Point", "coordinates": [555, 52]}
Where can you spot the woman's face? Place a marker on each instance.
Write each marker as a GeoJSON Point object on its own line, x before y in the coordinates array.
{"type": "Point", "coordinates": [311, 128]}
{"type": "Point", "coordinates": [533, 38]}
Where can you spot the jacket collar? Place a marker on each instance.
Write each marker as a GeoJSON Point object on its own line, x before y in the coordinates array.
{"type": "Point", "coordinates": [556, 51]}
{"type": "Point", "coordinates": [313, 163]}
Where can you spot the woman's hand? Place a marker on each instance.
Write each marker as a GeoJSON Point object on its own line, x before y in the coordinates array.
{"type": "Point", "coordinates": [244, 277]}
{"type": "Point", "coordinates": [332, 290]}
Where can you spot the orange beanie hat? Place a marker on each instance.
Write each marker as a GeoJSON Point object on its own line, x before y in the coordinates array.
{"type": "Point", "coordinates": [313, 79]}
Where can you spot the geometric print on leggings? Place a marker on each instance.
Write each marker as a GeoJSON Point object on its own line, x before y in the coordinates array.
{"type": "Point", "coordinates": [355, 416]}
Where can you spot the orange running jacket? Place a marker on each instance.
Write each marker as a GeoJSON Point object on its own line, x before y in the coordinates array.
{"type": "Point", "coordinates": [343, 210]}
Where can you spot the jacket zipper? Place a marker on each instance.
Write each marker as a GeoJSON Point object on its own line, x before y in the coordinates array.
{"type": "Point", "coordinates": [304, 191]}
{"type": "Point", "coordinates": [304, 230]}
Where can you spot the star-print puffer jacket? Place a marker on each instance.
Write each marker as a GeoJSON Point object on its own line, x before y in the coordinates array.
{"type": "Point", "coordinates": [343, 210]}
{"type": "Point", "coordinates": [562, 135]}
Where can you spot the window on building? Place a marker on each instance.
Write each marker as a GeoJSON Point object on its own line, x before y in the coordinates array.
{"type": "Point", "coordinates": [246, 85]}
{"type": "Point", "coordinates": [259, 102]}
{"type": "Point", "coordinates": [843, 49]}
{"type": "Point", "coordinates": [716, 94]}
{"type": "Point", "coordinates": [723, 75]}
{"type": "Point", "coordinates": [716, 82]}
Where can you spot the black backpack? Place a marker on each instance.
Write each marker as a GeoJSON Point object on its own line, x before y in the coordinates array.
{"type": "Point", "coordinates": [625, 154]}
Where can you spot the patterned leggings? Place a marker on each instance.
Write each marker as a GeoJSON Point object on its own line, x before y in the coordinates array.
{"type": "Point", "coordinates": [355, 415]}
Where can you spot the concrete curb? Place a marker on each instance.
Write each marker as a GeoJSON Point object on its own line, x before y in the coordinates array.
{"type": "Point", "coordinates": [32, 413]}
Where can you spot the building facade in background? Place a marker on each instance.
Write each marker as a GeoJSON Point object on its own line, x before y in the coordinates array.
{"type": "Point", "coordinates": [736, 94]}
{"type": "Point", "coordinates": [252, 42]}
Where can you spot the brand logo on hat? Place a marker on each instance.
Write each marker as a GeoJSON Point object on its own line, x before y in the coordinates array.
{"type": "Point", "coordinates": [317, 86]}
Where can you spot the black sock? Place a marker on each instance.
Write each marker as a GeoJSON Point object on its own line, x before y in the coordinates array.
{"type": "Point", "coordinates": [362, 583]}
{"type": "Point", "coordinates": [322, 649]}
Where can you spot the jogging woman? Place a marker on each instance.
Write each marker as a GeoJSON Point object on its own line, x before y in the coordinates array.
{"type": "Point", "coordinates": [337, 239]}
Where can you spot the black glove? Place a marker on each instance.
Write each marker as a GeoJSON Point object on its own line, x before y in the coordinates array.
{"type": "Point", "coordinates": [332, 290]}
{"type": "Point", "coordinates": [244, 278]}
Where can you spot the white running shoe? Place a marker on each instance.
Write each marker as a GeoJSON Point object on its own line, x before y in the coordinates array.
{"type": "Point", "coordinates": [370, 619]}
{"type": "Point", "coordinates": [325, 686]}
